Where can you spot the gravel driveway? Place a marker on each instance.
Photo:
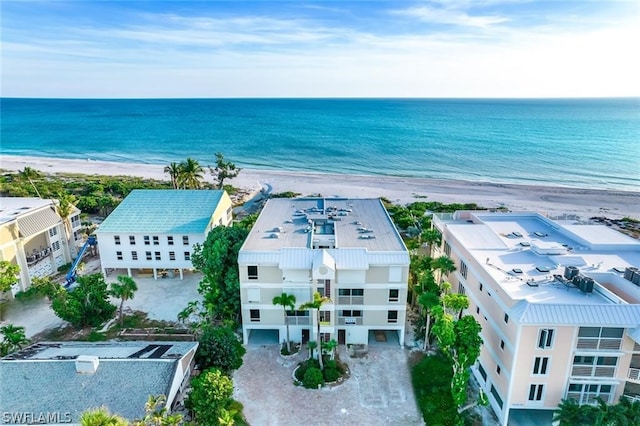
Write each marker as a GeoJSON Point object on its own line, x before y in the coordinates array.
{"type": "Point", "coordinates": [379, 391]}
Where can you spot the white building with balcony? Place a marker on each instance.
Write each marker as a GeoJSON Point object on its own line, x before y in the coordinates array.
{"type": "Point", "coordinates": [34, 237]}
{"type": "Point", "coordinates": [559, 305]}
{"type": "Point", "coordinates": [347, 249]}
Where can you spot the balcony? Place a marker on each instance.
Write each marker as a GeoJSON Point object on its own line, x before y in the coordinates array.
{"type": "Point", "coordinates": [633, 375]}
{"type": "Point", "coordinates": [298, 320]}
{"type": "Point", "coordinates": [604, 344]}
{"type": "Point", "coordinates": [591, 371]}
{"type": "Point", "coordinates": [37, 257]}
{"type": "Point", "coordinates": [349, 320]}
{"type": "Point", "coordinates": [350, 300]}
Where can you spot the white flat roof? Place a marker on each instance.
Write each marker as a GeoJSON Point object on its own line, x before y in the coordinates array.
{"type": "Point", "coordinates": [13, 207]}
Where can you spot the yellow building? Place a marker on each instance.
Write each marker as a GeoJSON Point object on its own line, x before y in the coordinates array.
{"type": "Point", "coordinates": [559, 306]}
{"type": "Point", "coordinates": [347, 249]}
{"type": "Point", "coordinates": [33, 236]}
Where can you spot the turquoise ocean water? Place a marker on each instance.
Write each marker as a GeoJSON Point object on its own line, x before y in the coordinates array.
{"type": "Point", "coordinates": [588, 143]}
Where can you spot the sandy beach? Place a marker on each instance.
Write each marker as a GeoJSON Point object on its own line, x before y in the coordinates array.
{"type": "Point", "coordinates": [553, 201]}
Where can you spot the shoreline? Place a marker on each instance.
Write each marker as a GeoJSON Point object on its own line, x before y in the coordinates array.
{"type": "Point", "coordinates": [551, 200]}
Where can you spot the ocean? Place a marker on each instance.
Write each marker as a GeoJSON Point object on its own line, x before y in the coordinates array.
{"type": "Point", "coordinates": [585, 143]}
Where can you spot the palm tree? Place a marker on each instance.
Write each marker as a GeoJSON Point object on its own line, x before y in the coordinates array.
{"type": "Point", "coordinates": [428, 300]}
{"type": "Point", "coordinates": [286, 301]}
{"type": "Point", "coordinates": [66, 205]}
{"type": "Point", "coordinates": [330, 347]}
{"type": "Point", "coordinates": [191, 174]}
{"type": "Point", "coordinates": [609, 415]}
{"type": "Point", "coordinates": [29, 175]}
{"type": "Point", "coordinates": [13, 339]}
{"type": "Point", "coordinates": [443, 264]}
{"type": "Point", "coordinates": [311, 345]}
{"type": "Point", "coordinates": [124, 290]}
{"type": "Point", "coordinates": [631, 409]}
{"type": "Point", "coordinates": [101, 417]}
{"type": "Point", "coordinates": [316, 304]}
{"type": "Point", "coordinates": [173, 170]}
{"type": "Point", "coordinates": [570, 413]}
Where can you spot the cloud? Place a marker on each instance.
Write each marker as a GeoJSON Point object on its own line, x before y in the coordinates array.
{"type": "Point", "coordinates": [451, 16]}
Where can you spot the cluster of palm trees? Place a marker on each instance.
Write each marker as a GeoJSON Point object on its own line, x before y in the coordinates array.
{"type": "Point", "coordinates": [13, 339]}
{"type": "Point", "coordinates": [187, 174]}
{"type": "Point", "coordinates": [571, 413]}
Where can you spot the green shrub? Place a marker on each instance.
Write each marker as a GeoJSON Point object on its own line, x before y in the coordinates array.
{"type": "Point", "coordinates": [431, 379]}
{"type": "Point", "coordinates": [331, 374]}
{"type": "Point", "coordinates": [303, 366]}
{"type": "Point", "coordinates": [312, 378]}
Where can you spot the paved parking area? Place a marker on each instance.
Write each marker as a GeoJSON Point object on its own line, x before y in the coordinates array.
{"type": "Point", "coordinates": [379, 391]}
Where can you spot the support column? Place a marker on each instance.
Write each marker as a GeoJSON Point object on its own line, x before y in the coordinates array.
{"type": "Point", "coordinates": [129, 272]}
{"type": "Point", "coordinates": [181, 274]}
{"type": "Point", "coordinates": [155, 274]}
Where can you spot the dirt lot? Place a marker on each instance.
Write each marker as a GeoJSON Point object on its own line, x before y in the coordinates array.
{"type": "Point", "coordinates": [378, 392]}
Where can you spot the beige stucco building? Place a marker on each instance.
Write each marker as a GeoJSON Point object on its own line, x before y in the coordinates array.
{"type": "Point", "coordinates": [153, 231]}
{"type": "Point", "coordinates": [559, 305]}
{"type": "Point", "coordinates": [33, 236]}
{"type": "Point", "coordinates": [347, 249]}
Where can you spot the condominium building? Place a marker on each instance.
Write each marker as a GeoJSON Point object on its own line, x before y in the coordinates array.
{"type": "Point", "coordinates": [153, 231]}
{"type": "Point", "coordinates": [33, 236]}
{"type": "Point", "coordinates": [559, 305]}
{"type": "Point", "coordinates": [346, 249]}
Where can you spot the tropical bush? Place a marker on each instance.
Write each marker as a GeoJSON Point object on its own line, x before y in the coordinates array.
{"type": "Point", "coordinates": [312, 378]}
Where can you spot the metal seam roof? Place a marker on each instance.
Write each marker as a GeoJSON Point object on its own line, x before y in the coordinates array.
{"type": "Point", "coordinates": [587, 315]}
{"type": "Point", "coordinates": [37, 222]}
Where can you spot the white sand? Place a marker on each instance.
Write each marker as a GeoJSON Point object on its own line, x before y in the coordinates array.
{"type": "Point", "coordinates": [553, 201]}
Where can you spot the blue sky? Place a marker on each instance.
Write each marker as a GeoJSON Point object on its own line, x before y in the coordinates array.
{"type": "Point", "coordinates": [457, 48]}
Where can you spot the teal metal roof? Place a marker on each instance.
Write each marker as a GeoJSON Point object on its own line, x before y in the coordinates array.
{"type": "Point", "coordinates": [163, 211]}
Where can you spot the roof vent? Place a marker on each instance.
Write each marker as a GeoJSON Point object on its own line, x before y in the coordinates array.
{"type": "Point", "coordinates": [87, 364]}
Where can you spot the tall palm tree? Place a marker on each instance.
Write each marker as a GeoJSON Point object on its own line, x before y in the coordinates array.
{"type": "Point", "coordinates": [124, 290]}
{"type": "Point", "coordinates": [101, 417]}
{"type": "Point", "coordinates": [428, 300]}
{"type": "Point", "coordinates": [286, 301]}
{"type": "Point", "coordinates": [316, 303]}
{"type": "Point", "coordinates": [570, 413]}
{"type": "Point", "coordinates": [443, 264]}
{"type": "Point", "coordinates": [66, 205]}
{"type": "Point", "coordinates": [29, 175]}
{"type": "Point", "coordinates": [191, 174]}
{"type": "Point", "coordinates": [13, 339]}
{"type": "Point", "coordinates": [173, 170]}
{"type": "Point", "coordinates": [610, 415]}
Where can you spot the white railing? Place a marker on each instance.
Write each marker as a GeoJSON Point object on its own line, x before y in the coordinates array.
{"type": "Point", "coordinates": [632, 398]}
{"type": "Point", "coordinates": [634, 374]}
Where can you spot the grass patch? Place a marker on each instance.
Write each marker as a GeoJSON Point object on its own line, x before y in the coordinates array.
{"type": "Point", "coordinates": [431, 379]}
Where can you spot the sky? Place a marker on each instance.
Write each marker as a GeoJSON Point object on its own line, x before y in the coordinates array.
{"type": "Point", "coordinates": [268, 48]}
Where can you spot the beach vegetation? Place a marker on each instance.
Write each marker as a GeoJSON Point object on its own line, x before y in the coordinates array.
{"type": "Point", "coordinates": [173, 170]}
{"type": "Point", "coordinates": [286, 194]}
{"type": "Point", "coordinates": [8, 277]}
{"type": "Point", "coordinates": [191, 174]}
{"type": "Point", "coordinates": [124, 290]}
{"type": "Point", "coordinates": [87, 304]}
{"type": "Point", "coordinates": [217, 259]}
{"type": "Point", "coordinates": [219, 348]}
{"type": "Point", "coordinates": [223, 170]}
{"type": "Point", "coordinates": [101, 416]}
{"type": "Point", "coordinates": [571, 413]}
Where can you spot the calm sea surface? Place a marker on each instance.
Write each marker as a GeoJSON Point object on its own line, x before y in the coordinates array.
{"type": "Point", "coordinates": [592, 143]}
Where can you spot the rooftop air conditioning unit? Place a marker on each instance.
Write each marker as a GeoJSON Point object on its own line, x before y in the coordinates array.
{"type": "Point", "coordinates": [87, 364]}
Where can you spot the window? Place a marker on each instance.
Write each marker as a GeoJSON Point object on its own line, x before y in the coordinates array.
{"type": "Point", "coordinates": [156, 240]}
{"type": "Point", "coordinates": [253, 295]}
{"type": "Point", "coordinates": [324, 287]}
{"type": "Point", "coordinates": [54, 231]}
{"type": "Point", "coordinates": [535, 392]}
{"type": "Point", "coordinates": [394, 294]}
{"type": "Point", "coordinates": [496, 396]}
{"type": "Point", "coordinates": [185, 240]}
{"type": "Point", "coordinates": [255, 315]}
{"type": "Point", "coordinates": [147, 242]}
{"type": "Point", "coordinates": [55, 245]}
{"type": "Point", "coordinates": [461, 289]}
{"type": "Point", "coordinates": [540, 365]}
{"type": "Point", "coordinates": [482, 372]}
{"type": "Point", "coordinates": [187, 255]}
{"type": "Point", "coordinates": [325, 316]}
{"type": "Point", "coordinates": [158, 257]}
{"type": "Point", "coordinates": [506, 318]}
{"type": "Point", "coordinates": [170, 240]}
{"type": "Point", "coordinates": [392, 316]}
{"type": "Point", "coordinates": [75, 221]}
{"type": "Point", "coordinates": [478, 310]}
{"type": "Point", "coordinates": [481, 286]}
{"type": "Point", "coordinates": [252, 272]}
{"type": "Point", "coordinates": [447, 249]}
{"type": "Point", "coordinates": [172, 255]}
{"type": "Point", "coordinates": [134, 255]}
{"type": "Point", "coordinates": [592, 366]}
{"type": "Point", "coordinates": [502, 344]}
{"type": "Point", "coordinates": [148, 255]}
{"type": "Point", "coordinates": [602, 338]}
{"type": "Point", "coordinates": [585, 393]}
{"type": "Point", "coordinates": [350, 313]}
{"type": "Point", "coordinates": [545, 338]}
{"type": "Point", "coordinates": [498, 369]}
{"type": "Point", "coordinates": [116, 239]}
{"type": "Point", "coordinates": [119, 255]}
{"type": "Point", "coordinates": [132, 240]}
{"type": "Point", "coordinates": [463, 269]}
{"type": "Point", "coordinates": [350, 296]}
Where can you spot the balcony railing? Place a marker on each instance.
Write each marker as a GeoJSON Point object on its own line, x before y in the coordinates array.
{"type": "Point", "coordinates": [601, 343]}
{"type": "Point", "coordinates": [634, 375]}
{"type": "Point", "coordinates": [591, 371]}
{"type": "Point", "coordinates": [632, 398]}
{"type": "Point", "coordinates": [37, 257]}
{"type": "Point", "coordinates": [298, 320]}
